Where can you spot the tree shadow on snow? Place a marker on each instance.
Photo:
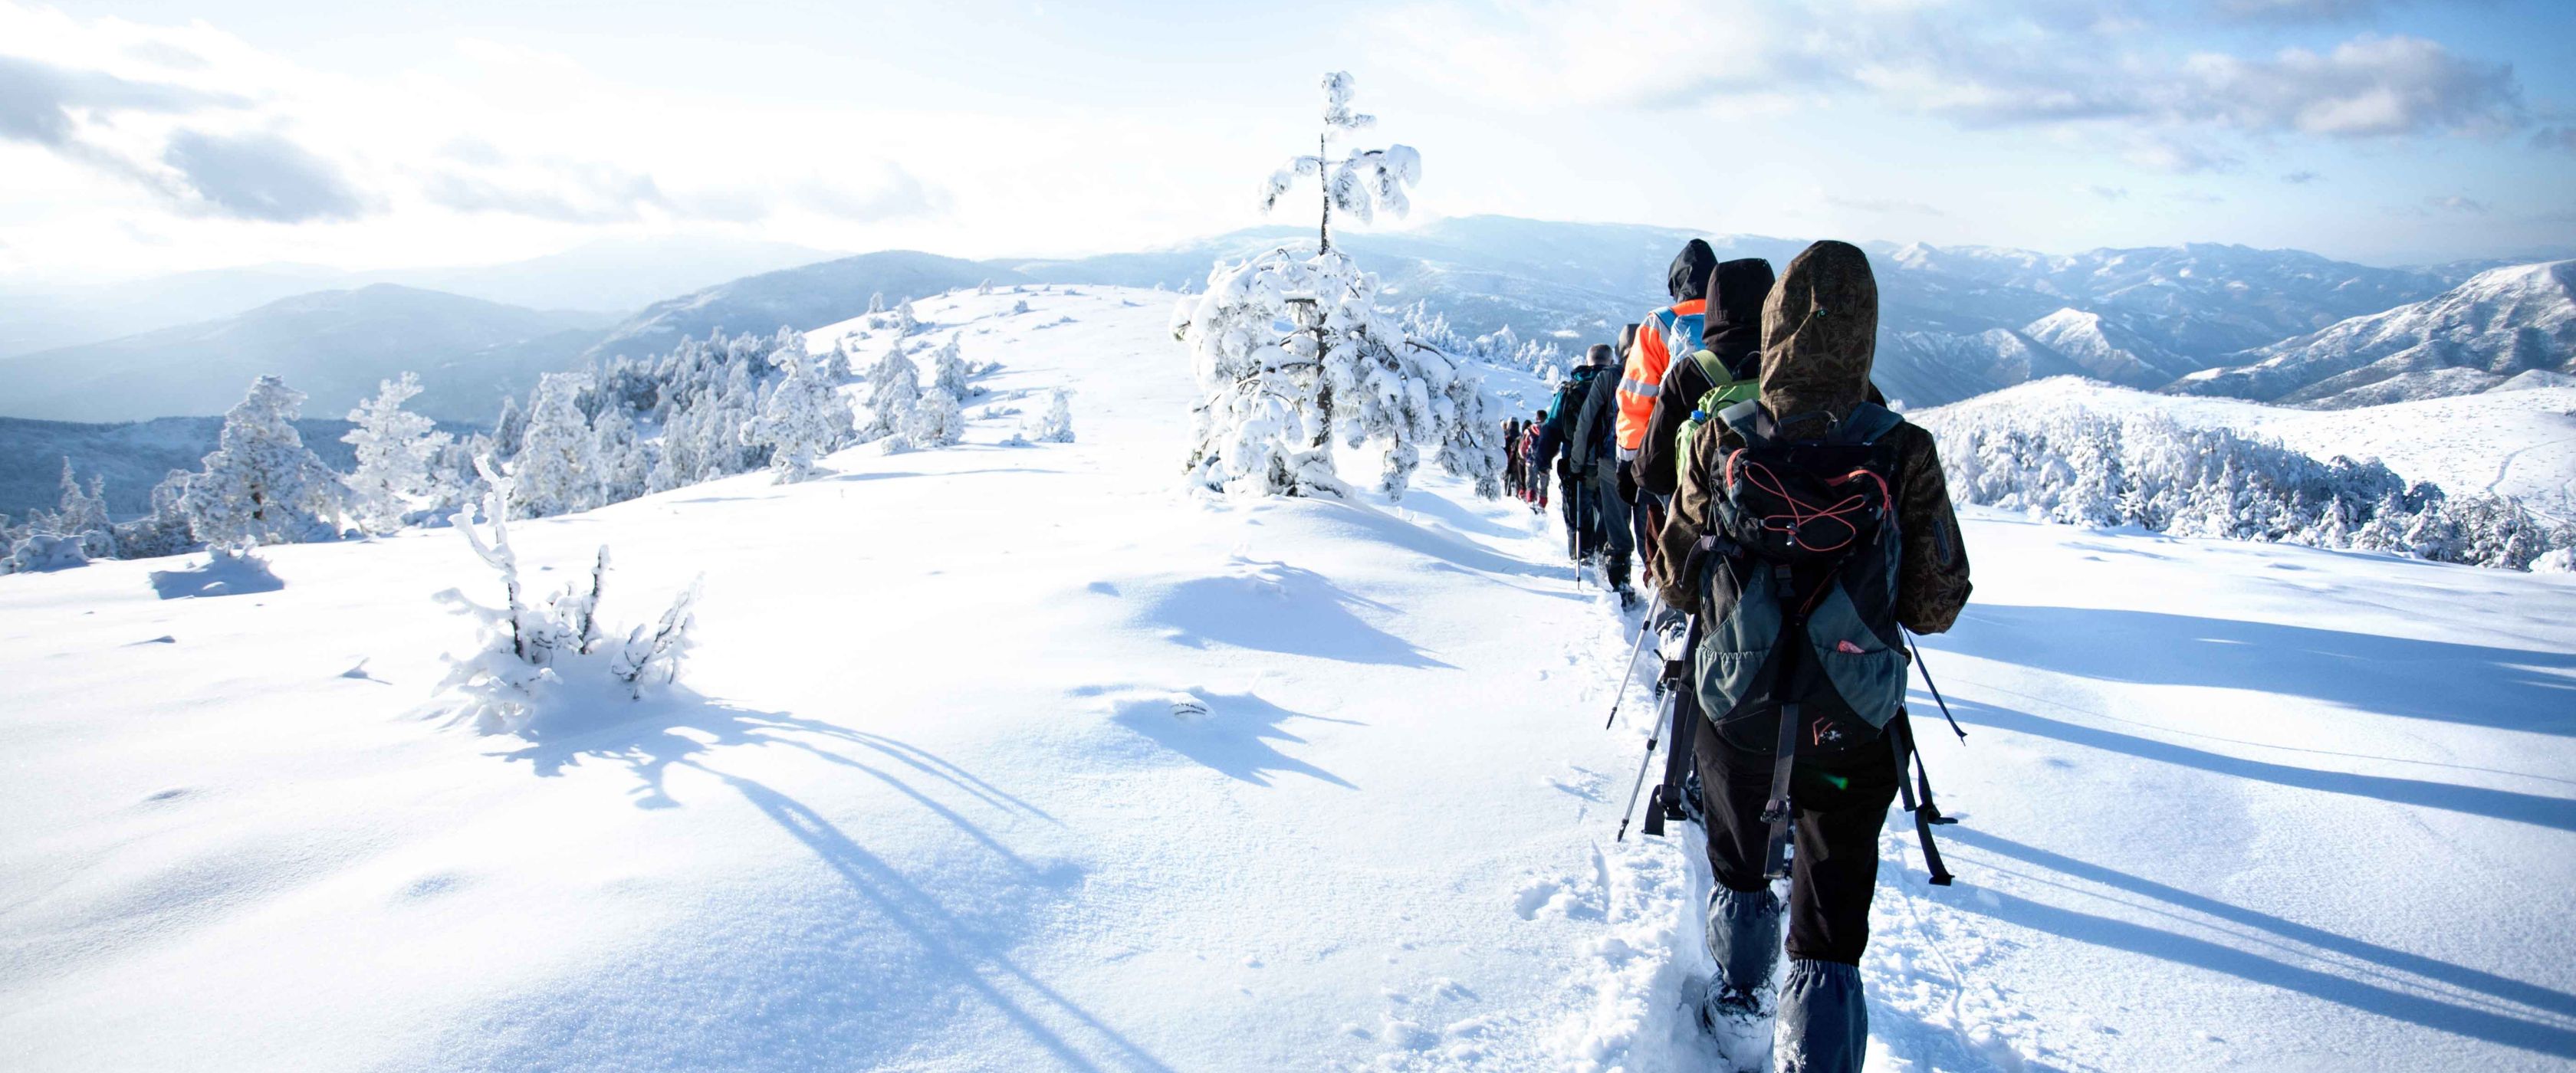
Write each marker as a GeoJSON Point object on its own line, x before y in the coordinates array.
{"type": "Point", "coordinates": [2505, 688]}
{"type": "Point", "coordinates": [1275, 607]}
{"type": "Point", "coordinates": [1230, 733]}
{"type": "Point", "coordinates": [2535, 809]}
{"type": "Point", "coordinates": [2460, 976]}
{"type": "Point", "coordinates": [222, 575]}
{"type": "Point", "coordinates": [954, 951]}
{"type": "Point", "coordinates": [2487, 1021]}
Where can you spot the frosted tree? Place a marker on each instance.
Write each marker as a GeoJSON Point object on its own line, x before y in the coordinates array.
{"type": "Point", "coordinates": [624, 466]}
{"type": "Point", "coordinates": [1362, 182]}
{"type": "Point", "coordinates": [396, 450]}
{"type": "Point", "coordinates": [949, 370]}
{"type": "Point", "coordinates": [80, 511]}
{"type": "Point", "coordinates": [558, 464]}
{"type": "Point", "coordinates": [803, 419]}
{"type": "Point", "coordinates": [876, 303]}
{"type": "Point", "coordinates": [984, 288]}
{"type": "Point", "coordinates": [904, 322]}
{"type": "Point", "coordinates": [509, 428]}
{"type": "Point", "coordinates": [894, 386]}
{"type": "Point", "coordinates": [531, 649]}
{"type": "Point", "coordinates": [163, 531]}
{"type": "Point", "coordinates": [1021, 306]}
{"type": "Point", "coordinates": [936, 421]}
{"type": "Point", "coordinates": [1292, 353]}
{"type": "Point", "coordinates": [261, 485]}
{"type": "Point", "coordinates": [1053, 426]}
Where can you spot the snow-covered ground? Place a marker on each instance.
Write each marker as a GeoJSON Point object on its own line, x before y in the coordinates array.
{"type": "Point", "coordinates": [1021, 758]}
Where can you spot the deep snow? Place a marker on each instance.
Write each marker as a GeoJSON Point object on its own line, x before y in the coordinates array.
{"type": "Point", "coordinates": [1021, 758]}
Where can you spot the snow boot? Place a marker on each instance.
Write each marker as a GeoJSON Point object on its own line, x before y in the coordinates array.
{"type": "Point", "coordinates": [1824, 1023]}
{"type": "Point", "coordinates": [1744, 941]}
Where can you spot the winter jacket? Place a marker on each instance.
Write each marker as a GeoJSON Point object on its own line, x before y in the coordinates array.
{"type": "Point", "coordinates": [1666, 334]}
{"type": "Point", "coordinates": [1556, 430]}
{"type": "Point", "coordinates": [1734, 333]}
{"type": "Point", "coordinates": [1593, 449]}
{"type": "Point", "coordinates": [1819, 335]}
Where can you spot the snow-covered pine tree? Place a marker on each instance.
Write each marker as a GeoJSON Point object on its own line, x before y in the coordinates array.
{"type": "Point", "coordinates": [904, 322]}
{"type": "Point", "coordinates": [508, 429]}
{"type": "Point", "coordinates": [804, 418]}
{"type": "Point", "coordinates": [984, 288]}
{"type": "Point", "coordinates": [164, 531]}
{"type": "Point", "coordinates": [80, 511]}
{"type": "Point", "coordinates": [948, 369]}
{"type": "Point", "coordinates": [261, 485]}
{"type": "Point", "coordinates": [894, 386]}
{"type": "Point", "coordinates": [1291, 351]}
{"type": "Point", "coordinates": [396, 450]}
{"type": "Point", "coordinates": [624, 466]}
{"type": "Point", "coordinates": [558, 467]}
{"type": "Point", "coordinates": [935, 420]}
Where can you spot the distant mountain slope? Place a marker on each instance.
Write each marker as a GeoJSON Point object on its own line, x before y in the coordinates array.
{"type": "Point", "coordinates": [333, 345]}
{"type": "Point", "coordinates": [133, 456]}
{"type": "Point", "coordinates": [806, 297]}
{"type": "Point", "coordinates": [608, 276]}
{"type": "Point", "coordinates": [2500, 323]}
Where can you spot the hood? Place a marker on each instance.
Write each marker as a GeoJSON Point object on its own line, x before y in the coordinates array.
{"type": "Point", "coordinates": [1689, 276]}
{"type": "Point", "coordinates": [1819, 336]}
{"type": "Point", "coordinates": [1734, 331]}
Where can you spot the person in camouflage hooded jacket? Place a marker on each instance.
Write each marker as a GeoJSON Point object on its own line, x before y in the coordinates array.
{"type": "Point", "coordinates": [1819, 335]}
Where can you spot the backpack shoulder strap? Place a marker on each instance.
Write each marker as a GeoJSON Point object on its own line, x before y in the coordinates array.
{"type": "Point", "coordinates": [1868, 422]}
{"type": "Point", "coordinates": [1745, 418]}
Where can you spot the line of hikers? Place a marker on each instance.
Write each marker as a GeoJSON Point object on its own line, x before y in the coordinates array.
{"type": "Point", "coordinates": [1793, 529]}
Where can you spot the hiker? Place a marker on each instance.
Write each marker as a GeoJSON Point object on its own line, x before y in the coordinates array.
{"type": "Point", "coordinates": [1536, 492]}
{"type": "Point", "coordinates": [1854, 572]}
{"type": "Point", "coordinates": [1511, 455]}
{"type": "Point", "coordinates": [1577, 436]}
{"type": "Point", "coordinates": [1668, 333]}
{"type": "Point", "coordinates": [1729, 355]}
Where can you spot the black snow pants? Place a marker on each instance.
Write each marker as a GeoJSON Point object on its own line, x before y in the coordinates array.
{"type": "Point", "coordinates": [1838, 814]}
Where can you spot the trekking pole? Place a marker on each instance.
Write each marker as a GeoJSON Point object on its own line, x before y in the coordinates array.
{"type": "Point", "coordinates": [1644, 762]}
{"type": "Point", "coordinates": [1628, 667]}
{"type": "Point", "coordinates": [1926, 672]}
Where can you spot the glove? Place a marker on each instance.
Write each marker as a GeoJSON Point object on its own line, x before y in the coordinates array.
{"type": "Point", "coordinates": [1628, 482]}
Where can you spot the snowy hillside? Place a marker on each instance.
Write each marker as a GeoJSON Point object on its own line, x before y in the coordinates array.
{"type": "Point", "coordinates": [2499, 324]}
{"type": "Point", "coordinates": [2519, 443]}
{"type": "Point", "coordinates": [1010, 757]}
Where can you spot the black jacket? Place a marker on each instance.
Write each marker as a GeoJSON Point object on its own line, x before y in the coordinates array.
{"type": "Point", "coordinates": [1734, 334]}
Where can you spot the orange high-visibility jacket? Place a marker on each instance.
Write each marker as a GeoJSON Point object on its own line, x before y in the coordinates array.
{"type": "Point", "coordinates": [1647, 359]}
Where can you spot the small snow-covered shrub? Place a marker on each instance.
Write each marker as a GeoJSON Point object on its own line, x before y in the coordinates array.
{"type": "Point", "coordinates": [948, 370]}
{"type": "Point", "coordinates": [1021, 306]}
{"type": "Point", "coordinates": [44, 551]}
{"type": "Point", "coordinates": [535, 653]}
{"type": "Point", "coordinates": [1055, 425]}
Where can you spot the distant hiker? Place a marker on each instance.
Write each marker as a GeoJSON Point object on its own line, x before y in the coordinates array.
{"type": "Point", "coordinates": [1580, 425]}
{"type": "Point", "coordinates": [1536, 492]}
{"type": "Point", "coordinates": [1801, 565]}
{"type": "Point", "coordinates": [1729, 355]}
{"type": "Point", "coordinates": [1512, 482]}
{"type": "Point", "coordinates": [1669, 333]}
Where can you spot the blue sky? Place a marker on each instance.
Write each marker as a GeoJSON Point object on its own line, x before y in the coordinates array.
{"type": "Point", "coordinates": [143, 136]}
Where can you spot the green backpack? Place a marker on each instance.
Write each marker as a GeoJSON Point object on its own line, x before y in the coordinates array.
{"type": "Point", "coordinates": [1726, 393]}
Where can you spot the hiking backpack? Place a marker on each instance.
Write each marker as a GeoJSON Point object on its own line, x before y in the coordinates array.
{"type": "Point", "coordinates": [1727, 393]}
{"type": "Point", "coordinates": [1799, 652]}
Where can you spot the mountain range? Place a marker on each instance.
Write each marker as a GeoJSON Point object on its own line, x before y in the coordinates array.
{"type": "Point", "coordinates": [1956, 321]}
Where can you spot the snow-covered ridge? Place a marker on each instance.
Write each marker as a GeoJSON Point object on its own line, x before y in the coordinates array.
{"type": "Point", "coordinates": [2499, 324]}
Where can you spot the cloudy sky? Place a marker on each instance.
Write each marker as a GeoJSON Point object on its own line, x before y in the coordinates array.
{"type": "Point", "coordinates": [146, 136]}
